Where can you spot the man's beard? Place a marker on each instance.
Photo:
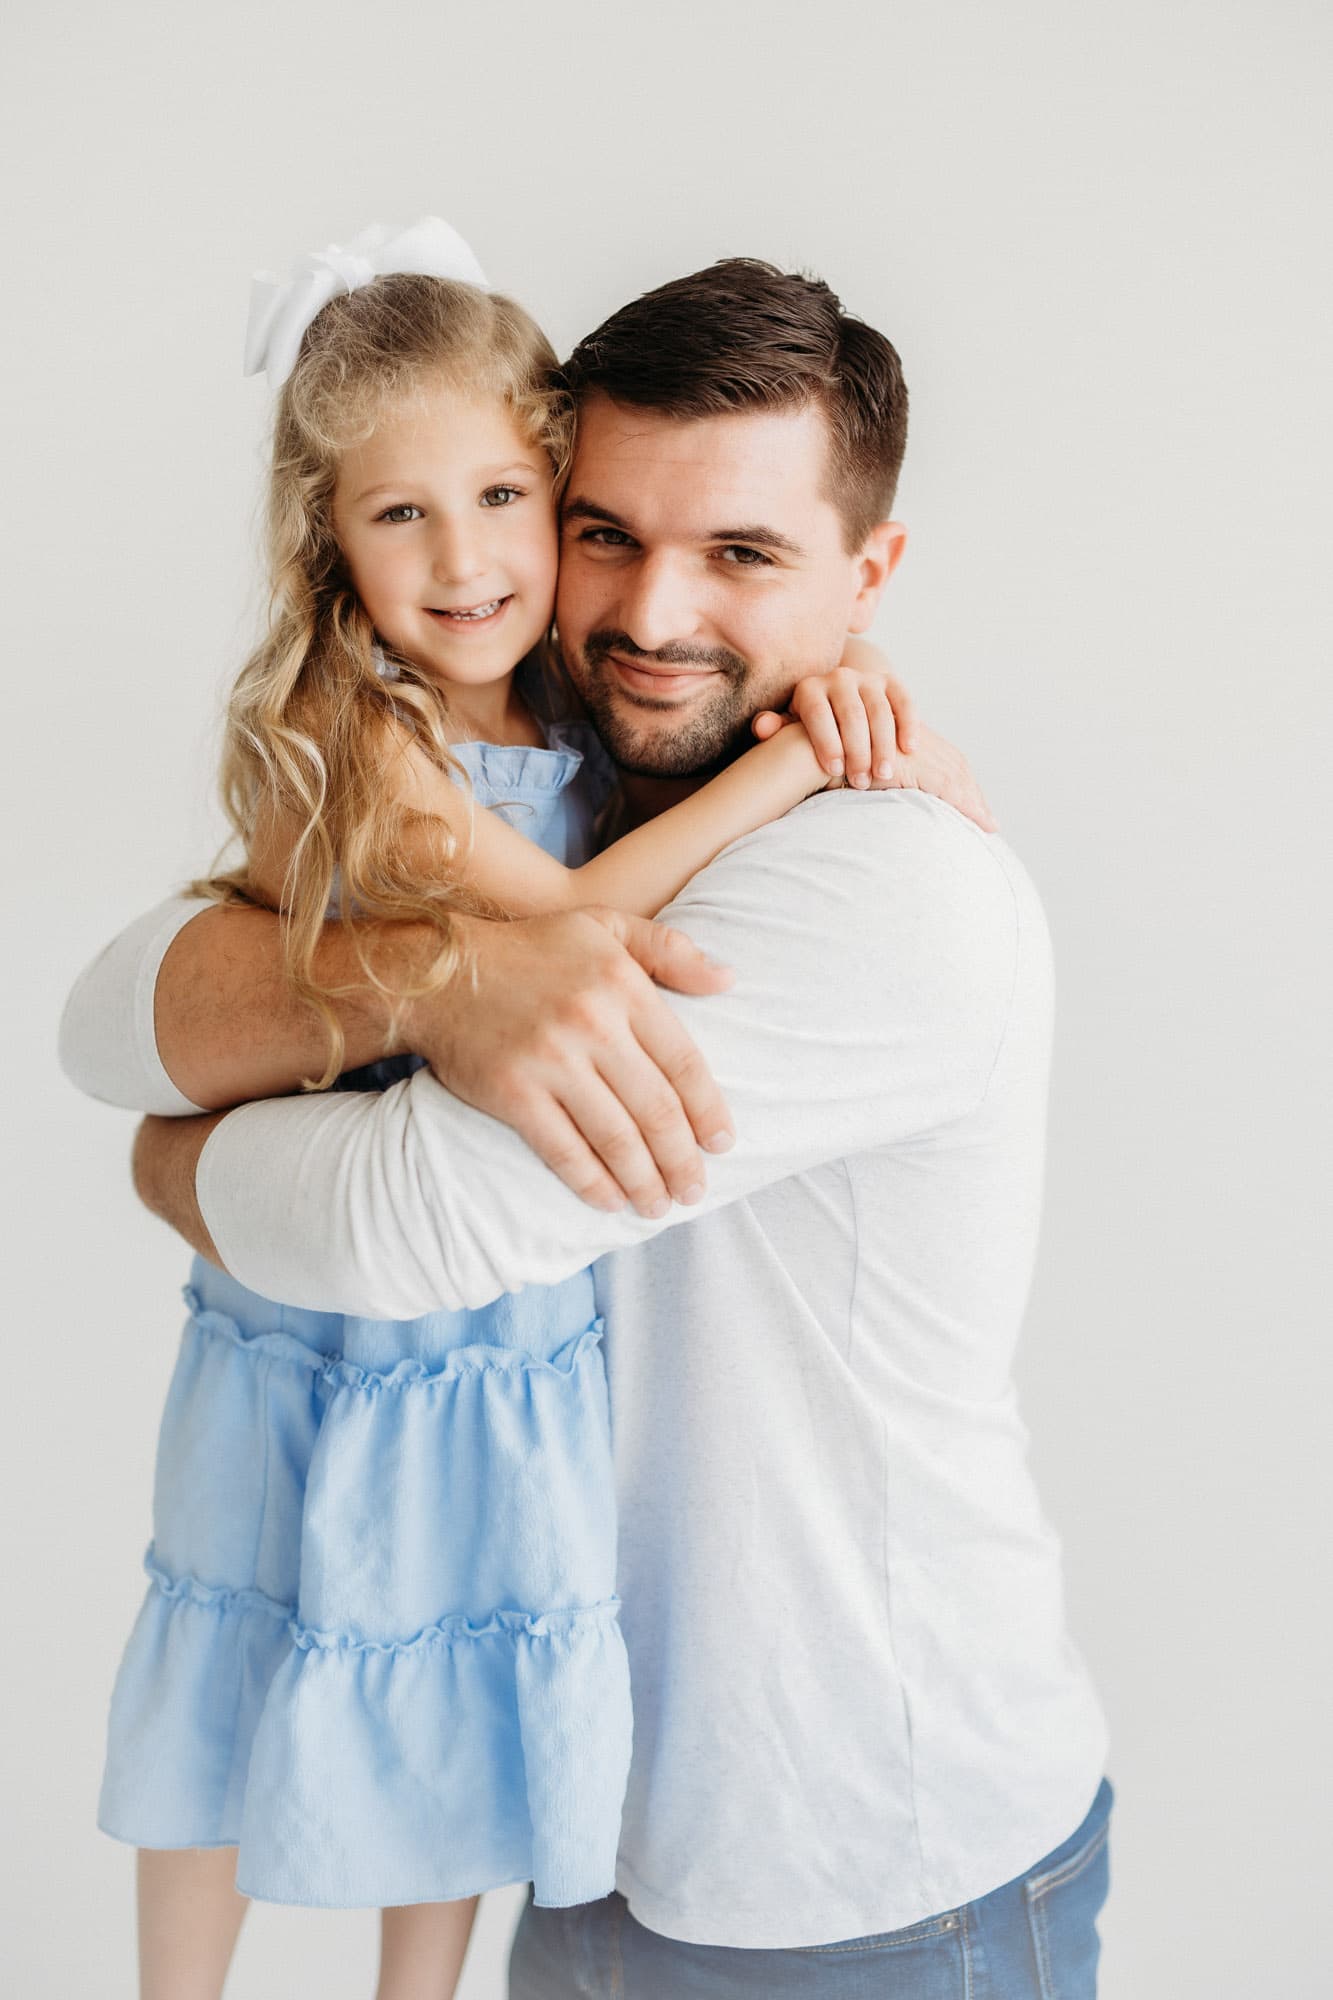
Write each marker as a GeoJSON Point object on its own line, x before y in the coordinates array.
{"type": "Point", "coordinates": [696, 744]}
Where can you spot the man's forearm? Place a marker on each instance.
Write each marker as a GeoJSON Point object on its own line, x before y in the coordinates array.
{"type": "Point", "coordinates": [228, 1025]}
{"type": "Point", "coordinates": [166, 1153]}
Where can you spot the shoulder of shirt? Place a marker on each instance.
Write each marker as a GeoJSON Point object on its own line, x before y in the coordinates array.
{"type": "Point", "coordinates": [873, 832]}
{"type": "Point", "coordinates": [880, 871]}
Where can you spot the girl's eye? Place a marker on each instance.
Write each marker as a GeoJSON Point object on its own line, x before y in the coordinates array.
{"type": "Point", "coordinates": [747, 558]}
{"type": "Point", "coordinates": [501, 496]}
{"type": "Point", "coordinates": [404, 513]}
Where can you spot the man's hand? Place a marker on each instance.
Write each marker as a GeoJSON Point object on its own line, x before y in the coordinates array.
{"type": "Point", "coordinates": [166, 1153]}
{"type": "Point", "coordinates": [561, 1033]}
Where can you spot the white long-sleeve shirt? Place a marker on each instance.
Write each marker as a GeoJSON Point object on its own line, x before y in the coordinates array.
{"type": "Point", "coordinates": [856, 1704]}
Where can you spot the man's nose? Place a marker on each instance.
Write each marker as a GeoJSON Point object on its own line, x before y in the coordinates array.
{"type": "Point", "coordinates": [655, 606]}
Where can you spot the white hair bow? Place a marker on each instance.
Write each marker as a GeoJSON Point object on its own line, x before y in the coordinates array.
{"type": "Point", "coordinates": [282, 309]}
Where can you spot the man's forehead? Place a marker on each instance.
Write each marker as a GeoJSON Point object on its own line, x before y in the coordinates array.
{"type": "Point", "coordinates": [680, 471]}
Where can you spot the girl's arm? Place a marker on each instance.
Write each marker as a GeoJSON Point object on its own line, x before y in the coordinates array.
{"type": "Point", "coordinates": [643, 871]}
{"type": "Point", "coordinates": [640, 873]}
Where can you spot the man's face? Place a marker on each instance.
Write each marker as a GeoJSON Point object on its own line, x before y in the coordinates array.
{"type": "Point", "coordinates": [702, 574]}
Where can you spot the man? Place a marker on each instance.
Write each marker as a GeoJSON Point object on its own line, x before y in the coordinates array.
{"type": "Point", "coordinates": [859, 1726]}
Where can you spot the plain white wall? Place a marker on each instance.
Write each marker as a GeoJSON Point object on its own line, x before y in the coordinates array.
{"type": "Point", "coordinates": [1095, 235]}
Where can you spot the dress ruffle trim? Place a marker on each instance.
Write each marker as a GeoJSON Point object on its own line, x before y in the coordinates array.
{"type": "Point", "coordinates": [522, 772]}
{"type": "Point", "coordinates": [410, 1373]}
{"type": "Point", "coordinates": [562, 1624]}
{"type": "Point", "coordinates": [383, 1775]}
{"type": "Point", "coordinates": [194, 1590]}
{"type": "Point", "coordinates": [265, 1346]}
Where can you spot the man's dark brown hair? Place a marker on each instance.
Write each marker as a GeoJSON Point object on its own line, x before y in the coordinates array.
{"type": "Point", "coordinates": [743, 335]}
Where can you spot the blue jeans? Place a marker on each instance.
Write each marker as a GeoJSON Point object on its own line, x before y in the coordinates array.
{"type": "Point", "coordinates": [1034, 1939]}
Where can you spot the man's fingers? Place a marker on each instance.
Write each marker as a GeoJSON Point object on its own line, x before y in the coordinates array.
{"type": "Point", "coordinates": [614, 1096]}
{"type": "Point", "coordinates": [666, 1043]}
{"type": "Point", "coordinates": [675, 961]}
{"type": "Point", "coordinates": [608, 1116]}
{"type": "Point", "coordinates": [650, 1146]}
{"type": "Point", "coordinates": [667, 955]}
{"type": "Point", "coordinates": [555, 1138]}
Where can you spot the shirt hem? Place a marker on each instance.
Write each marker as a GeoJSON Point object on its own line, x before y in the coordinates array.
{"type": "Point", "coordinates": [775, 1932]}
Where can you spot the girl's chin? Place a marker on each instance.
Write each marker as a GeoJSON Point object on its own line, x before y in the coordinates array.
{"type": "Point", "coordinates": [473, 652]}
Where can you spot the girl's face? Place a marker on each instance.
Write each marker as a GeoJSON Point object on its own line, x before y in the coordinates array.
{"type": "Point", "coordinates": [446, 519]}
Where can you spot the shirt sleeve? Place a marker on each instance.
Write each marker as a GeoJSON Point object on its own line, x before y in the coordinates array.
{"type": "Point", "coordinates": [107, 1043]}
{"type": "Point", "coordinates": [874, 942]}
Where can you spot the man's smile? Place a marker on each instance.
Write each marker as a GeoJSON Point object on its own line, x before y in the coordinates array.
{"type": "Point", "coordinates": [660, 681]}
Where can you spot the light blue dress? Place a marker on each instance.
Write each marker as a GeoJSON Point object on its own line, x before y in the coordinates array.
{"type": "Point", "coordinates": [380, 1649]}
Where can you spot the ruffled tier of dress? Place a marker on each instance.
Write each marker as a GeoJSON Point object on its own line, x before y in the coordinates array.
{"type": "Point", "coordinates": [469, 1757]}
{"type": "Point", "coordinates": [380, 1650]}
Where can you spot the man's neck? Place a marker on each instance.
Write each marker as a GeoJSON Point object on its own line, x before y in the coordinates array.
{"type": "Point", "coordinates": [645, 798]}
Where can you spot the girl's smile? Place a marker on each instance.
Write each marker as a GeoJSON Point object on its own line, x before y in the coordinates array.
{"type": "Point", "coordinates": [477, 614]}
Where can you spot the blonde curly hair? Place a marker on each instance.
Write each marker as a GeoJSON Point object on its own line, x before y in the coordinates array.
{"type": "Point", "coordinates": [306, 721]}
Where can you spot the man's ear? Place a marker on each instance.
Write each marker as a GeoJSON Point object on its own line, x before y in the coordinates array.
{"type": "Point", "coordinates": [877, 560]}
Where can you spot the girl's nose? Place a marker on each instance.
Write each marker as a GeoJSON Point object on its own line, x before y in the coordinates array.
{"type": "Point", "coordinates": [458, 555]}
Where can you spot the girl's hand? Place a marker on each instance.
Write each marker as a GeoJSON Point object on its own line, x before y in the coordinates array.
{"type": "Point", "coordinates": [858, 718]}
{"type": "Point", "coordinates": [862, 723]}
{"type": "Point", "coordinates": [935, 766]}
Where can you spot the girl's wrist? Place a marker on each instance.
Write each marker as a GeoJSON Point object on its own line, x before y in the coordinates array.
{"type": "Point", "coordinates": [794, 753]}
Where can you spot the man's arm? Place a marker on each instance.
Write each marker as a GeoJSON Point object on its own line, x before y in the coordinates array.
{"type": "Point", "coordinates": [190, 1009]}
{"type": "Point", "coordinates": [875, 946]}
{"type": "Point", "coordinates": [165, 1155]}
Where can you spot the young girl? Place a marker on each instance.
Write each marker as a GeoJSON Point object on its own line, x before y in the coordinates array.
{"type": "Point", "coordinates": [379, 1652]}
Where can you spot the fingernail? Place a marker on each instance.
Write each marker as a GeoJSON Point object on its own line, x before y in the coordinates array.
{"type": "Point", "coordinates": [721, 1142]}
{"type": "Point", "coordinates": [835, 768]}
{"type": "Point", "coordinates": [883, 770]}
{"type": "Point", "coordinates": [611, 1204]}
{"type": "Point", "coordinates": [694, 1192]}
{"type": "Point", "coordinates": [657, 1211]}
{"type": "Point", "coordinates": [860, 781]}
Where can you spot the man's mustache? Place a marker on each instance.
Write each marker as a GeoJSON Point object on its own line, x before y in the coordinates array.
{"type": "Point", "coordinates": [598, 646]}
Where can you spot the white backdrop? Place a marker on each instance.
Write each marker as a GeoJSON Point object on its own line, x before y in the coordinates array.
{"type": "Point", "coordinates": [1095, 236]}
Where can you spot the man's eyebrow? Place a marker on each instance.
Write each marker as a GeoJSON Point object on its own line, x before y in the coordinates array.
{"type": "Point", "coordinates": [760, 537]}
{"type": "Point", "coordinates": [757, 535]}
{"type": "Point", "coordinates": [580, 508]}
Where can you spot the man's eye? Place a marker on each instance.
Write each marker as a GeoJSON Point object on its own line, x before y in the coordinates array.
{"type": "Point", "coordinates": [606, 538]}
{"type": "Point", "coordinates": [404, 513]}
{"type": "Point", "coordinates": [501, 496]}
{"type": "Point", "coordinates": [744, 558]}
